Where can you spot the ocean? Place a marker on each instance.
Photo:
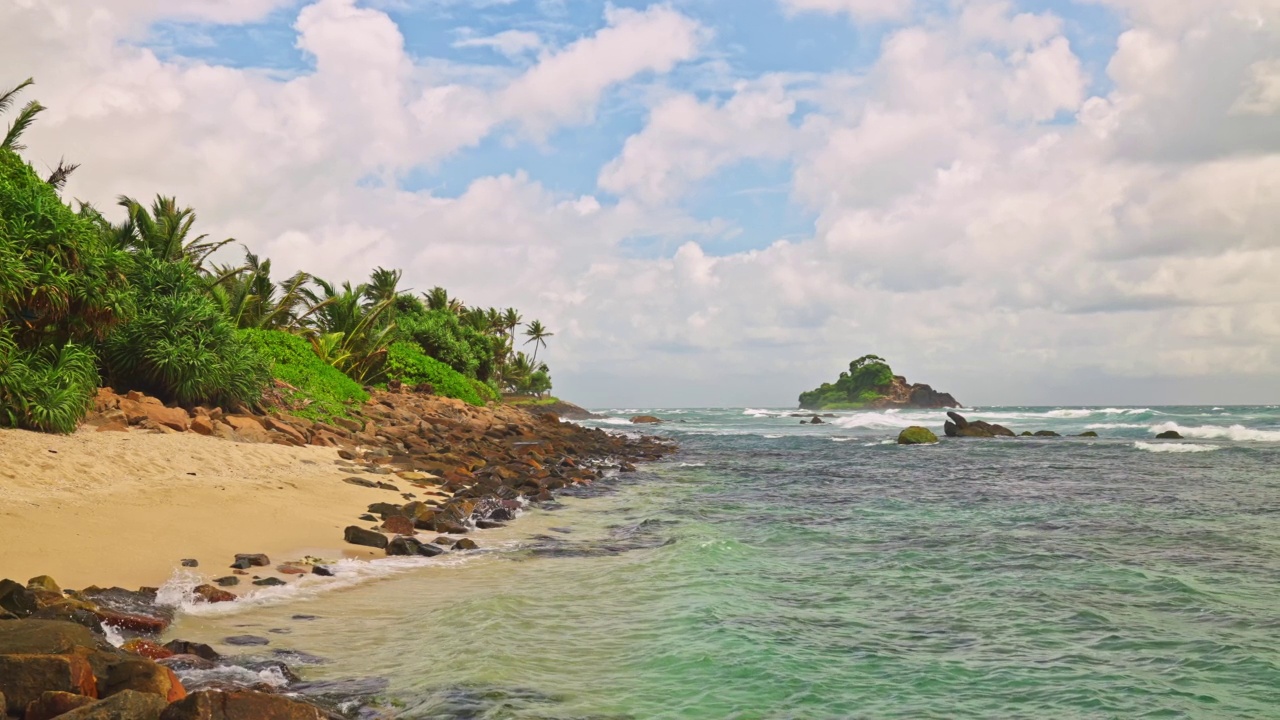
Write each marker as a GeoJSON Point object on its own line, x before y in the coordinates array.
{"type": "Point", "coordinates": [779, 570]}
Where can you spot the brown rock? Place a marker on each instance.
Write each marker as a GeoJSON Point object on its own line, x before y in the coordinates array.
{"type": "Point", "coordinates": [211, 594]}
{"type": "Point", "coordinates": [45, 637]}
{"type": "Point", "coordinates": [136, 623]}
{"type": "Point", "coordinates": [399, 525]}
{"type": "Point", "coordinates": [247, 428]}
{"type": "Point", "coordinates": [114, 425]}
{"type": "Point", "coordinates": [645, 420]}
{"type": "Point", "coordinates": [145, 676]}
{"type": "Point", "coordinates": [24, 678]}
{"type": "Point", "coordinates": [466, 544]}
{"type": "Point", "coordinates": [359, 536]}
{"type": "Point", "coordinates": [202, 425]}
{"type": "Point", "coordinates": [240, 705]}
{"type": "Point", "coordinates": [125, 705]}
{"type": "Point", "coordinates": [348, 424]}
{"type": "Point", "coordinates": [53, 704]}
{"type": "Point", "coordinates": [16, 599]}
{"type": "Point", "coordinates": [147, 649]}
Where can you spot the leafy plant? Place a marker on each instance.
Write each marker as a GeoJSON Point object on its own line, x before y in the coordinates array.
{"type": "Point", "coordinates": [47, 388]}
{"type": "Point", "coordinates": [407, 363]}
{"type": "Point", "coordinates": [316, 390]}
{"type": "Point", "coordinates": [861, 385]}
{"type": "Point", "coordinates": [180, 346]}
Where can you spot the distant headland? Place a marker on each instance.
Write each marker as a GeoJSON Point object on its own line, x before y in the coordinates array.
{"type": "Point", "coordinates": [870, 384]}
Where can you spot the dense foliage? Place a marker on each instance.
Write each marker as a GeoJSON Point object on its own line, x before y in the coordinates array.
{"type": "Point", "coordinates": [142, 302]}
{"type": "Point", "coordinates": [312, 389]}
{"type": "Point", "coordinates": [407, 363]}
{"type": "Point", "coordinates": [864, 383]}
{"type": "Point", "coordinates": [179, 346]}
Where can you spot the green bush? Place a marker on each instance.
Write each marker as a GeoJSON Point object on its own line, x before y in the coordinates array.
{"type": "Point", "coordinates": [441, 336]}
{"type": "Point", "coordinates": [407, 363]}
{"type": "Point", "coordinates": [486, 390]}
{"type": "Point", "coordinates": [322, 391]}
{"type": "Point", "coordinates": [862, 384]}
{"type": "Point", "coordinates": [48, 388]}
{"type": "Point", "coordinates": [180, 346]}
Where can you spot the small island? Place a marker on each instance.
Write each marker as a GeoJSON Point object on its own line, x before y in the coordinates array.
{"type": "Point", "coordinates": [871, 385]}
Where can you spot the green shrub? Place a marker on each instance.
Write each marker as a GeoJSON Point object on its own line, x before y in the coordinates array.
{"type": "Point", "coordinates": [442, 336]}
{"type": "Point", "coordinates": [322, 391]}
{"type": "Point", "coordinates": [867, 376]}
{"type": "Point", "coordinates": [48, 388]}
{"type": "Point", "coordinates": [407, 363]}
{"type": "Point", "coordinates": [180, 346]}
{"type": "Point", "coordinates": [486, 390]}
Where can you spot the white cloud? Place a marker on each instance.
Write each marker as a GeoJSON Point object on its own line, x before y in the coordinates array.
{"type": "Point", "coordinates": [865, 10]}
{"type": "Point", "coordinates": [512, 43]}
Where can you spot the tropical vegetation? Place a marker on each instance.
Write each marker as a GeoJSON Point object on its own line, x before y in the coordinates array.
{"type": "Point", "coordinates": [864, 383]}
{"type": "Point", "coordinates": [141, 304]}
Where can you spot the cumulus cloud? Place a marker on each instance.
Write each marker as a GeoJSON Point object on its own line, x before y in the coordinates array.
{"type": "Point", "coordinates": [978, 217]}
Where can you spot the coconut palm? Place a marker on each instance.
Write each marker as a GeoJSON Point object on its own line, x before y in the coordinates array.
{"type": "Point", "coordinates": [347, 330]}
{"type": "Point", "coordinates": [250, 299]}
{"type": "Point", "coordinates": [164, 231]}
{"type": "Point", "coordinates": [26, 116]}
{"type": "Point", "coordinates": [537, 335]}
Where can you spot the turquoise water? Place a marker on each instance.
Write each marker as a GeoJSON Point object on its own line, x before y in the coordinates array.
{"type": "Point", "coordinates": [773, 570]}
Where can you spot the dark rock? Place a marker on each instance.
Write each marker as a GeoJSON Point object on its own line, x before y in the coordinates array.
{"type": "Point", "coordinates": [321, 570]}
{"type": "Point", "coordinates": [1088, 434]}
{"type": "Point", "coordinates": [466, 544]}
{"type": "Point", "coordinates": [387, 486]}
{"type": "Point", "coordinates": [228, 581]}
{"type": "Point", "coordinates": [367, 518]}
{"type": "Point", "coordinates": [242, 705]}
{"type": "Point", "coordinates": [403, 545]}
{"type": "Point", "coordinates": [253, 560]}
{"type": "Point", "coordinates": [143, 676]}
{"type": "Point", "coordinates": [305, 618]}
{"type": "Point", "coordinates": [359, 536]}
{"type": "Point", "coordinates": [385, 510]}
{"type": "Point", "coordinates": [269, 582]}
{"type": "Point", "coordinates": [645, 420]}
{"type": "Point", "coordinates": [124, 705]}
{"type": "Point", "coordinates": [502, 515]}
{"type": "Point", "coordinates": [361, 482]}
{"type": "Point", "coordinates": [246, 640]}
{"type": "Point", "coordinates": [816, 421]}
{"type": "Point", "coordinates": [398, 524]}
{"type": "Point", "coordinates": [1047, 433]}
{"type": "Point", "coordinates": [189, 562]}
{"type": "Point", "coordinates": [16, 598]}
{"type": "Point", "coordinates": [950, 429]}
{"type": "Point", "coordinates": [46, 637]}
{"type": "Point", "coordinates": [959, 420]}
{"type": "Point", "coordinates": [489, 524]}
{"type": "Point", "coordinates": [184, 647]}
{"type": "Point", "coordinates": [185, 663]}
{"type": "Point", "coordinates": [1027, 433]}
{"type": "Point", "coordinates": [1170, 435]}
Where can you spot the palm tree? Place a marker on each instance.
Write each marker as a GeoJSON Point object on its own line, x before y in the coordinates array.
{"type": "Point", "coordinates": [163, 231]}
{"type": "Point", "coordinates": [26, 116]}
{"type": "Point", "coordinates": [537, 335]}
{"type": "Point", "coordinates": [345, 330]}
{"type": "Point", "coordinates": [438, 299]}
{"type": "Point", "coordinates": [511, 319]}
{"type": "Point", "coordinates": [383, 285]}
{"type": "Point", "coordinates": [249, 297]}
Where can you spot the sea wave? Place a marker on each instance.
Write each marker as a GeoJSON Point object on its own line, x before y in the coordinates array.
{"type": "Point", "coordinates": [1175, 447]}
{"type": "Point", "coordinates": [1117, 426]}
{"type": "Point", "coordinates": [875, 420]}
{"type": "Point", "coordinates": [1236, 433]}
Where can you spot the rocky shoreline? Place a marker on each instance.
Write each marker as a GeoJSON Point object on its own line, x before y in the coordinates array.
{"type": "Point", "coordinates": [449, 469]}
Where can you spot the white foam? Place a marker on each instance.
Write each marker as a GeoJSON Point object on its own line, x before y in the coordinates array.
{"type": "Point", "coordinates": [1236, 433]}
{"type": "Point", "coordinates": [875, 420]}
{"type": "Point", "coordinates": [237, 675]}
{"type": "Point", "coordinates": [1175, 447]}
{"type": "Point", "coordinates": [1117, 426]}
{"type": "Point", "coordinates": [772, 437]}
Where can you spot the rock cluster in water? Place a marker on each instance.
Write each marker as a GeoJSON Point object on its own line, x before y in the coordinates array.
{"type": "Point", "coordinates": [960, 427]}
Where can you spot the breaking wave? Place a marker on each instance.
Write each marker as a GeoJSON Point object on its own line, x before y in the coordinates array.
{"type": "Point", "coordinates": [1236, 433]}
{"type": "Point", "coordinates": [1175, 447]}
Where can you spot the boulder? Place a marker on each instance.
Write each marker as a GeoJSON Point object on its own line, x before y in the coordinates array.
{"type": "Point", "coordinates": [1047, 433]}
{"type": "Point", "coordinates": [16, 599]}
{"type": "Point", "coordinates": [202, 425]}
{"type": "Point", "coordinates": [24, 678]}
{"type": "Point", "coordinates": [403, 545]}
{"type": "Point", "coordinates": [1088, 433]}
{"type": "Point", "coordinates": [244, 561]}
{"type": "Point", "coordinates": [917, 436]}
{"type": "Point", "coordinates": [211, 594]}
{"type": "Point", "coordinates": [45, 583]}
{"type": "Point", "coordinates": [359, 536]}
{"type": "Point", "coordinates": [645, 420]}
{"type": "Point", "coordinates": [959, 426]}
{"type": "Point", "coordinates": [360, 482]}
{"type": "Point", "coordinates": [269, 582]}
{"type": "Point", "coordinates": [1027, 433]}
{"type": "Point", "coordinates": [125, 705]}
{"type": "Point", "coordinates": [143, 676]}
{"type": "Point", "coordinates": [1170, 435]}
{"type": "Point", "coordinates": [466, 544]}
{"type": "Point", "coordinates": [200, 650]}
{"type": "Point", "coordinates": [285, 429]}
{"type": "Point", "coordinates": [816, 421]}
{"type": "Point", "coordinates": [147, 649]}
{"type": "Point", "coordinates": [228, 581]}
{"type": "Point", "coordinates": [241, 705]}
{"type": "Point", "coordinates": [46, 637]}
{"type": "Point", "coordinates": [399, 525]}
{"type": "Point", "coordinates": [247, 428]}
{"type": "Point", "coordinates": [53, 704]}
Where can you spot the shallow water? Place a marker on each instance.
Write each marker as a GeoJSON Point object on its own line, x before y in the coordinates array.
{"type": "Point", "coordinates": [773, 570]}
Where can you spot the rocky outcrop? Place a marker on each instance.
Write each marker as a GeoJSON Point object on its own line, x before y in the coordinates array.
{"type": "Point", "coordinates": [559, 408]}
{"type": "Point", "coordinates": [1170, 435]}
{"type": "Point", "coordinates": [901, 394]}
{"type": "Point", "coordinates": [244, 705]}
{"type": "Point", "coordinates": [917, 436]}
{"type": "Point", "coordinates": [645, 420]}
{"type": "Point", "coordinates": [959, 426]}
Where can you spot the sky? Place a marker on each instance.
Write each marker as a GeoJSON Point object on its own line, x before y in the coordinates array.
{"type": "Point", "coordinates": [723, 202]}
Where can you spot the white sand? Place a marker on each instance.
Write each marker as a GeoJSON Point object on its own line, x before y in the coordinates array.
{"type": "Point", "coordinates": [113, 508]}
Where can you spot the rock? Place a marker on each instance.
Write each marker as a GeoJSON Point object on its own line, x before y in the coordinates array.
{"type": "Point", "coordinates": [917, 436]}
{"type": "Point", "coordinates": [1047, 433]}
{"type": "Point", "coordinates": [134, 622]}
{"type": "Point", "coordinates": [144, 676]}
{"type": "Point", "coordinates": [349, 425]}
{"type": "Point", "coordinates": [645, 420]}
{"type": "Point", "coordinates": [247, 428]}
{"type": "Point", "coordinates": [190, 563]}
{"type": "Point", "coordinates": [45, 583]}
{"type": "Point", "coordinates": [46, 637]}
{"type": "Point", "coordinates": [285, 429]}
{"type": "Point", "coordinates": [202, 425]}
{"type": "Point", "coordinates": [399, 525]}
{"type": "Point", "coordinates": [53, 704]}
{"type": "Point", "coordinates": [1170, 435]}
{"type": "Point", "coordinates": [244, 561]}
{"type": "Point", "coordinates": [1027, 433]}
{"type": "Point", "coordinates": [466, 544]}
{"type": "Point", "coordinates": [269, 582]}
{"type": "Point", "coordinates": [211, 594]}
{"type": "Point", "coordinates": [292, 569]}
{"type": "Point", "coordinates": [246, 640]}
{"type": "Point", "coordinates": [359, 536]}
{"type": "Point", "coordinates": [16, 599]}
{"type": "Point", "coordinates": [816, 421]}
{"type": "Point", "coordinates": [150, 412]}
{"type": "Point", "coordinates": [200, 650]}
{"type": "Point", "coordinates": [322, 571]}
{"type": "Point", "coordinates": [240, 705]}
{"type": "Point", "coordinates": [403, 545]}
{"type": "Point", "coordinates": [959, 420]}
{"type": "Point", "coordinates": [360, 482]}
{"type": "Point", "coordinates": [489, 524]}
{"type": "Point", "coordinates": [124, 705]}
{"type": "Point", "coordinates": [959, 426]}
{"type": "Point", "coordinates": [346, 454]}
{"type": "Point", "coordinates": [228, 581]}
{"type": "Point", "coordinates": [24, 678]}
{"type": "Point", "coordinates": [1088, 433]}
{"type": "Point", "coordinates": [147, 649]}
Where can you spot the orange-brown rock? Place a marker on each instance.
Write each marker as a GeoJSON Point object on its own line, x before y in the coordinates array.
{"type": "Point", "coordinates": [243, 705]}
{"type": "Point", "coordinates": [144, 676]}
{"type": "Point", "coordinates": [399, 525]}
{"type": "Point", "coordinates": [124, 705]}
{"type": "Point", "coordinates": [247, 428]}
{"type": "Point", "coordinates": [147, 649]}
{"type": "Point", "coordinates": [211, 594]}
{"type": "Point", "coordinates": [136, 623]}
{"type": "Point", "coordinates": [202, 424]}
{"type": "Point", "coordinates": [24, 678]}
{"type": "Point", "coordinates": [53, 704]}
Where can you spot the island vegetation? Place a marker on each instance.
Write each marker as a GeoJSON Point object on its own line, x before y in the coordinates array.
{"type": "Point", "coordinates": [141, 304]}
{"type": "Point", "coordinates": [867, 380]}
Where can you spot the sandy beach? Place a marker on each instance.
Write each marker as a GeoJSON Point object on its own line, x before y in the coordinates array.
{"type": "Point", "coordinates": [113, 508]}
